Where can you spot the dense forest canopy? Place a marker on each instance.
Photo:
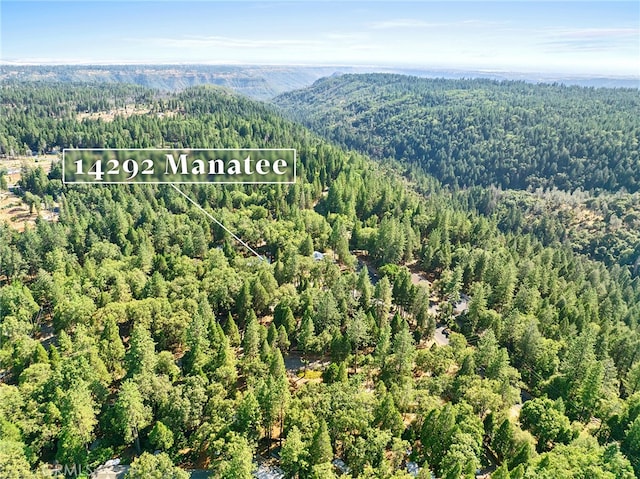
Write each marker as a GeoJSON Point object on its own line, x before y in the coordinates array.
{"type": "Point", "coordinates": [133, 324]}
{"type": "Point", "coordinates": [482, 132]}
{"type": "Point", "coordinates": [605, 227]}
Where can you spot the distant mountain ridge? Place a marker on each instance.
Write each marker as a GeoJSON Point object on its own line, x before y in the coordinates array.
{"type": "Point", "coordinates": [262, 82]}
{"type": "Point", "coordinates": [259, 82]}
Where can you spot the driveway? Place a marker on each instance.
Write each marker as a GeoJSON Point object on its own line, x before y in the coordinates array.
{"type": "Point", "coordinates": [439, 337]}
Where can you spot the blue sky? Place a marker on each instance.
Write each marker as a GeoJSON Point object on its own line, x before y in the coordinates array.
{"type": "Point", "coordinates": [601, 38]}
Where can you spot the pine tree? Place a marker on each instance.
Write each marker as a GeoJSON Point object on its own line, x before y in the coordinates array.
{"type": "Point", "coordinates": [306, 335]}
{"type": "Point", "coordinates": [111, 348]}
{"type": "Point", "coordinates": [521, 458]}
{"type": "Point", "coordinates": [141, 356]}
{"type": "Point", "coordinates": [306, 247]}
{"type": "Point", "coordinates": [78, 422]}
{"type": "Point", "coordinates": [321, 451]}
{"type": "Point", "coordinates": [382, 296]}
{"type": "Point", "coordinates": [272, 334]}
{"type": "Point", "coordinates": [502, 442]}
{"type": "Point", "coordinates": [632, 380]}
{"type": "Point", "coordinates": [294, 456]}
{"type": "Point", "coordinates": [478, 304]}
{"type": "Point", "coordinates": [517, 472]}
{"type": "Point", "coordinates": [403, 289]}
{"type": "Point", "coordinates": [283, 339]}
{"type": "Point", "coordinates": [260, 297]}
{"type": "Point", "coordinates": [249, 417]}
{"type": "Point", "coordinates": [198, 354]}
{"type": "Point", "coordinates": [278, 372]}
{"type": "Point", "coordinates": [383, 344]}
{"type": "Point", "coordinates": [40, 354]}
{"type": "Point", "coordinates": [237, 459]}
{"type": "Point", "coordinates": [161, 436]}
{"type": "Point", "coordinates": [590, 390]}
{"type": "Point", "coordinates": [404, 351]}
{"type": "Point", "coordinates": [288, 321]}
{"type": "Point", "coordinates": [342, 374]}
{"type": "Point", "coordinates": [396, 324]}
{"type": "Point", "coordinates": [231, 331]}
{"type": "Point", "coordinates": [244, 302]}
{"type": "Point", "coordinates": [358, 334]}
{"type": "Point", "coordinates": [365, 287]}
{"type": "Point", "coordinates": [251, 340]}
{"type": "Point", "coordinates": [149, 466]}
{"type": "Point", "coordinates": [386, 416]}
{"type": "Point", "coordinates": [131, 414]}
{"type": "Point", "coordinates": [501, 473]}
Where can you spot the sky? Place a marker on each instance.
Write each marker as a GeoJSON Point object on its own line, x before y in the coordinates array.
{"type": "Point", "coordinates": [577, 37]}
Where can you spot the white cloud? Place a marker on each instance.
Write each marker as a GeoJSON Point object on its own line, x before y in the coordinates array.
{"type": "Point", "coordinates": [204, 41]}
{"type": "Point", "coordinates": [591, 39]}
{"type": "Point", "coordinates": [408, 23]}
{"type": "Point", "coordinates": [347, 36]}
{"type": "Point", "coordinates": [598, 32]}
{"type": "Point", "coordinates": [403, 23]}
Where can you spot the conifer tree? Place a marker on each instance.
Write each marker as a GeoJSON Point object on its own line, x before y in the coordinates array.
{"type": "Point", "coordinates": [321, 451]}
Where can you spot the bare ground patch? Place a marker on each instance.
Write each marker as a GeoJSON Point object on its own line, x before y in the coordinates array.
{"type": "Point", "coordinates": [12, 210]}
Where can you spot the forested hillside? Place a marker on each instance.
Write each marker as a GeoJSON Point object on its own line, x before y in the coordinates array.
{"type": "Point", "coordinates": [482, 132]}
{"type": "Point", "coordinates": [133, 324]}
{"type": "Point", "coordinates": [605, 227]}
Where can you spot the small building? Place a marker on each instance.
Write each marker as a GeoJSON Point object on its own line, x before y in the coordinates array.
{"type": "Point", "coordinates": [318, 256]}
{"type": "Point", "coordinates": [340, 465]}
{"type": "Point", "coordinates": [267, 471]}
{"type": "Point", "coordinates": [200, 474]}
{"type": "Point", "coordinates": [114, 471]}
{"type": "Point", "coordinates": [413, 468]}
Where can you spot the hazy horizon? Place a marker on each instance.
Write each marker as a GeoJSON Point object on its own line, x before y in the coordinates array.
{"type": "Point", "coordinates": [563, 38]}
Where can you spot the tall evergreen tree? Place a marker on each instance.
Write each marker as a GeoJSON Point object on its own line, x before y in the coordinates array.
{"type": "Point", "coordinates": [321, 451]}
